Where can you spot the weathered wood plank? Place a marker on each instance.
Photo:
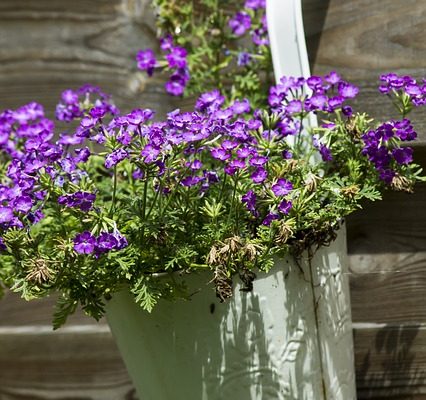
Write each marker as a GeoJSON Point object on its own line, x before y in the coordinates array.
{"type": "Point", "coordinates": [47, 47]}
{"type": "Point", "coordinates": [85, 364]}
{"type": "Point", "coordinates": [389, 297]}
{"type": "Point", "coordinates": [387, 246]}
{"type": "Point", "coordinates": [14, 311]}
{"type": "Point", "coordinates": [390, 361]}
{"type": "Point", "coordinates": [78, 363]}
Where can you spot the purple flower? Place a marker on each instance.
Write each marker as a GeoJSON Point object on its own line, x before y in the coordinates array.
{"type": "Point", "coordinates": [243, 59]}
{"type": "Point", "coordinates": [260, 37]}
{"type": "Point", "coordinates": [139, 116]}
{"type": "Point", "coordinates": [250, 200]}
{"type": "Point", "coordinates": [71, 140]}
{"type": "Point", "coordinates": [403, 155]}
{"type": "Point", "coordinates": [285, 206]}
{"type": "Point", "coordinates": [244, 152]}
{"type": "Point", "coordinates": [259, 175]}
{"type": "Point", "coordinates": [138, 174]}
{"type": "Point", "coordinates": [166, 43]}
{"type": "Point", "coordinates": [286, 154]}
{"type": "Point", "coordinates": [82, 200]}
{"type": "Point", "coordinates": [241, 107]}
{"type": "Point", "coordinates": [391, 82]}
{"type": "Point", "coordinates": [240, 23]}
{"type": "Point", "coordinates": [177, 57]}
{"type": "Point", "coordinates": [347, 111]}
{"type": "Point", "coordinates": [212, 176]}
{"type": "Point", "coordinates": [223, 115]}
{"type": "Point", "coordinates": [175, 85]}
{"type": "Point", "coordinates": [150, 153]}
{"type": "Point", "coordinates": [325, 153]}
{"type": "Point", "coordinates": [282, 187]}
{"type": "Point", "coordinates": [386, 175]}
{"type": "Point", "coordinates": [239, 164]}
{"type": "Point", "coordinates": [2, 245]}
{"type": "Point", "coordinates": [347, 90]}
{"type": "Point", "coordinates": [404, 130]}
{"type": "Point", "coordinates": [84, 243]}
{"type": "Point", "coordinates": [229, 144]}
{"type": "Point", "coordinates": [335, 102]}
{"type": "Point", "coordinates": [88, 122]}
{"type": "Point", "coordinates": [115, 157]}
{"type": "Point", "coordinates": [6, 215]}
{"type": "Point", "coordinates": [23, 204]}
{"type": "Point", "coordinates": [210, 101]}
{"type": "Point", "coordinates": [146, 61]}
{"type": "Point", "coordinates": [35, 216]}
{"type": "Point", "coordinates": [255, 4]}
{"type": "Point", "coordinates": [333, 78]}
{"type": "Point", "coordinates": [314, 83]}
{"type": "Point", "coordinates": [220, 154]}
{"type": "Point", "coordinates": [106, 242]}
{"type": "Point", "coordinates": [269, 218]}
{"type": "Point", "coordinates": [98, 112]}
{"type": "Point", "coordinates": [122, 241]}
{"type": "Point", "coordinates": [258, 161]}
{"type": "Point", "coordinates": [82, 155]}
{"type": "Point", "coordinates": [69, 97]}
{"type": "Point", "coordinates": [194, 165]}
{"type": "Point", "coordinates": [413, 90]}
{"type": "Point", "coordinates": [189, 181]}
{"type": "Point", "coordinates": [294, 106]}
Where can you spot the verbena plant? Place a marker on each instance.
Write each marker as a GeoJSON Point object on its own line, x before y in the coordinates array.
{"type": "Point", "coordinates": [121, 197]}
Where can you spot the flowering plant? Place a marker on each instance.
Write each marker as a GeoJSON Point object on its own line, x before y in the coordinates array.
{"type": "Point", "coordinates": [120, 197]}
{"type": "Point", "coordinates": [206, 45]}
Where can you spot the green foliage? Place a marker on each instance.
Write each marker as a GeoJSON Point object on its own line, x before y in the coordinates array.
{"type": "Point", "coordinates": [213, 50]}
{"type": "Point", "coordinates": [172, 228]}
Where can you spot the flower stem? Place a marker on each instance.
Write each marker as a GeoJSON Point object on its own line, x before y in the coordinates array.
{"type": "Point", "coordinates": [114, 191]}
{"type": "Point", "coordinates": [145, 193]}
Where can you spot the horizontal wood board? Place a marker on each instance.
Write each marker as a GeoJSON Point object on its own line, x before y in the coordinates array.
{"type": "Point", "coordinates": [46, 46]}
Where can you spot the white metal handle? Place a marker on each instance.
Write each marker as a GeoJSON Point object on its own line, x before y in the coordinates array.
{"type": "Point", "coordinates": [287, 38]}
{"type": "Point", "coordinates": [288, 45]}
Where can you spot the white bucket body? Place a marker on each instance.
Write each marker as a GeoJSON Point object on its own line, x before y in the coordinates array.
{"type": "Point", "coordinates": [290, 338]}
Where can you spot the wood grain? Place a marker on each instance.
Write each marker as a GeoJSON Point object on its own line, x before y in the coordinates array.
{"type": "Point", "coordinates": [49, 46]}
{"type": "Point", "coordinates": [390, 361]}
{"type": "Point", "coordinates": [77, 364]}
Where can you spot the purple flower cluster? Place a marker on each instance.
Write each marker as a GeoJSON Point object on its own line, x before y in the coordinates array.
{"type": "Point", "coordinates": [242, 22]}
{"type": "Point", "coordinates": [259, 35]}
{"type": "Point", "coordinates": [300, 96]}
{"type": "Point", "coordinates": [177, 63]}
{"type": "Point", "coordinates": [146, 61]}
{"type": "Point", "coordinates": [405, 84]}
{"type": "Point", "coordinates": [382, 153]}
{"type": "Point", "coordinates": [81, 200]}
{"type": "Point", "coordinates": [87, 99]}
{"type": "Point", "coordinates": [28, 146]}
{"type": "Point", "coordinates": [86, 243]}
{"type": "Point", "coordinates": [26, 142]}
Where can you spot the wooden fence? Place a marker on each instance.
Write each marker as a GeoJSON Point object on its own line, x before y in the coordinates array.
{"type": "Point", "coordinates": [49, 45]}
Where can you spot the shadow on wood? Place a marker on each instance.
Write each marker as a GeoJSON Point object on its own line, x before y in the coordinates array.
{"type": "Point", "coordinates": [390, 367]}
{"type": "Point", "coordinates": [314, 15]}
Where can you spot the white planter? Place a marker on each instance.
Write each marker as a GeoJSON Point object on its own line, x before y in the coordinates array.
{"type": "Point", "coordinates": [290, 338]}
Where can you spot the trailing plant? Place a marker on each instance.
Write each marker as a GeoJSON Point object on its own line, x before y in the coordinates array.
{"type": "Point", "coordinates": [121, 197]}
{"type": "Point", "coordinates": [210, 44]}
